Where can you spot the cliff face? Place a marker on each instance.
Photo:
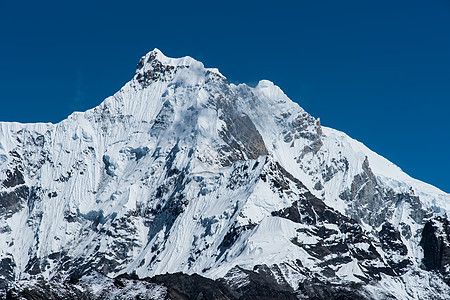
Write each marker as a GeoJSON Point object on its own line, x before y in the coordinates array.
{"type": "Point", "coordinates": [180, 171]}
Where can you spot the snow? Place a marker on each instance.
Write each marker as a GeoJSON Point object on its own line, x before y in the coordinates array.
{"type": "Point", "coordinates": [388, 173]}
{"type": "Point", "coordinates": [183, 61]}
{"type": "Point", "coordinates": [348, 271]}
{"type": "Point", "coordinates": [270, 242]}
{"type": "Point", "coordinates": [178, 116]}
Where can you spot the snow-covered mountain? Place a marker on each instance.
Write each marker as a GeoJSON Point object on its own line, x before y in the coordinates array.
{"type": "Point", "coordinates": [182, 172]}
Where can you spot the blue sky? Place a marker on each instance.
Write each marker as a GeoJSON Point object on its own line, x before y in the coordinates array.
{"type": "Point", "coordinates": [377, 70]}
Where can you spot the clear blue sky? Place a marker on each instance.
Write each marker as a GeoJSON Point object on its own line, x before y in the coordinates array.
{"type": "Point", "coordinates": [378, 70]}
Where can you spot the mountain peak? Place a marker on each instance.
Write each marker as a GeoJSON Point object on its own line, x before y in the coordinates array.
{"type": "Point", "coordinates": [157, 57]}
{"type": "Point", "coordinates": [155, 65]}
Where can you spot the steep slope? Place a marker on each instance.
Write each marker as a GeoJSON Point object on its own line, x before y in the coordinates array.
{"type": "Point", "coordinates": [180, 171]}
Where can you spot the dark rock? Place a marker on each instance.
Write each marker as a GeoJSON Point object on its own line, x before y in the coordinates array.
{"type": "Point", "coordinates": [13, 178]}
{"type": "Point", "coordinates": [140, 152]}
{"type": "Point", "coordinates": [7, 266]}
{"type": "Point", "coordinates": [240, 134]}
{"type": "Point", "coordinates": [436, 246]}
{"type": "Point", "coordinates": [52, 194]}
{"type": "Point", "coordinates": [157, 71]}
{"type": "Point", "coordinates": [230, 238]}
{"type": "Point", "coordinates": [163, 119]}
{"type": "Point", "coordinates": [373, 204]}
{"type": "Point", "coordinates": [258, 284]}
{"type": "Point", "coordinates": [12, 202]}
{"type": "Point", "coordinates": [186, 287]}
{"type": "Point", "coordinates": [109, 166]}
{"type": "Point", "coordinates": [33, 266]}
{"type": "Point", "coordinates": [315, 289]}
{"type": "Point", "coordinates": [393, 246]}
{"type": "Point", "coordinates": [291, 213]}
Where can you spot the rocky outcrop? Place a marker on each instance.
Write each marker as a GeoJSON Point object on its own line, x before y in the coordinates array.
{"type": "Point", "coordinates": [436, 246]}
{"type": "Point", "coordinates": [246, 285]}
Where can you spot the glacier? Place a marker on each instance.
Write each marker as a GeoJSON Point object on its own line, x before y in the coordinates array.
{"type": "Point", "coordinates": [181, 172]}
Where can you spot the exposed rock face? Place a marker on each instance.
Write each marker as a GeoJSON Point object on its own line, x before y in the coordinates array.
{"type": "Point", "coordinates": [373, 203]}
{"type": "Point", "coordinates": [242, 138]}
{"type": "Point", "coordinates": [178, 286]}
{"type": "Point", "coordinates": [182, 186]}
{"type": "Point", "coordinates": [436, 246]}
{"type": "Point", "coordinates": [13, 178]}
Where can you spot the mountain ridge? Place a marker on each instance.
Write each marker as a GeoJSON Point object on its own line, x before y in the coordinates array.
{"type": "Point", "coordinates": [180, 171]}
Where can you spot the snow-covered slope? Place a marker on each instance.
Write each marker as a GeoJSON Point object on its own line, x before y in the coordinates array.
{"type": "Point", "coordinates": [180, 171]}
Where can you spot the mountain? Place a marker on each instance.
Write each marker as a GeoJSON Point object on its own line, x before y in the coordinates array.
{"type": "Point", "coordinates": [183, 186]}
